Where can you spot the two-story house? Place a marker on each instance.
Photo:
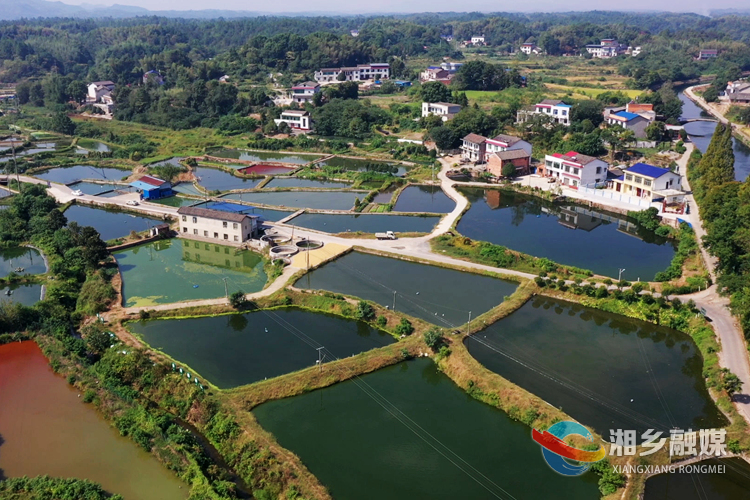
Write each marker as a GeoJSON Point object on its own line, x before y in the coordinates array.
{"type": "Point", "coordinates": [630, 121]}
{"type": "Point", "coordinates": [556, 110]}
{"type": "Point", "coordinates": [217, 225]}
{"type": "Point", "coordinates": [503, 142]}
{"type": "Point", "coordinates": [305, 92]}
{"type": "Point", "coordinates": [607, 48]}
{"type": "Point", "coordinates": [573, 169]}
{"type": "Point", "coordinates": [296, 119]}
{"type": "Point", "coordinates": [444, 110]}
{"type": "Point", "coordinates": [359, 73]}
{"type": "Point", "coordinates": [474, 148]}
{"type": "Point", "coordinates": [646, 181]}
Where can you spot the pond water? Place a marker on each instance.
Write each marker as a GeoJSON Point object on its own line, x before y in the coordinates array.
{"type": "Point", "coordinates": [385, 196]}
{"type": "Point", "coordinates": [4, 193]}
{"type": "Point", "coordinates": [406, 432]}
{"type": "Point", "coordinates": [14, 258]}
{"type": "Point", "coordinates": [26, 294]}
{"type": "Point", "coordinates": [260, 156]}
{"type": "Point", "coordinates": [215, 179]}
{"type": "Point", "coordinates": [66, 175]}
{"type": "Point", "coordinates": [97, 189]}
{"type": "Point", "coordinates": [267, 213]}
{"type": "Point", "coordinates": [267, 170]}
{"type": "Point", "coordinates": [424, 199]}
{"type": "Point", "coordinates": [294, 182]}
{"type": "Point", "coordinates": [362, 165]}
{"type": "Point", "coordinates": [366, 223]}
{"type": "Point", "coordinates": [427, 292]}
{"type": "Point", "coordinates": [239, 349]}
{"type": "Point", "coordinates": [322, 200]}
{"type": "Point", "coordinates": [90, 145]}
{"type": "Point", "coordinates": [110, 224]}
{"type": "Point", "coordinates": [567, 234]}
{"type": "Point", "coordinates": [176, 201]}
{"type": "Point", "coordinates": [605, 370]}
{"type": "Point", "coordinates": [48, 430]}
{"type": "Point", "coordinates": [733, 484]}
{"type": "Point", "coordinates": [701, 132]}
{"type": "Point", "coordinates": [166, 271]}
{"type": "Point", "coordinates": [174, 161]}
{"type": "Point", "coordinates": [187, 188]}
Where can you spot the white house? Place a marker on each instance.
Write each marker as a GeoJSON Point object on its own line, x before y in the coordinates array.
{"type": "Point", "coordinates": [609, 47]}
{"type": "Point", "coordinates": [478, 40]}
{"type": "Point", "coordinates": [573, 169]}
{"type": "Point", "coordinates": [216, 225]}
{"type": "Point", "coordinates": [558, 111]}
{"type": "Point", "coordinates": [444, 110]}
{"type": "Point", "coordinates": [304, 92]}
{"type": "Point", "coordinates": [96, 90]}
{"type": "Point", "coordinates": [359, 73]}
{"type": "Point", "coordinates": [647, 181]}
{"type": "Point", "coordinates": [296, 119]}
{"type": "Point", "coordinates": [504, 142]}
{"type": "Point", "coordinates": [473, 148]}
{"type": "Point", "coordinates": [530, 48]}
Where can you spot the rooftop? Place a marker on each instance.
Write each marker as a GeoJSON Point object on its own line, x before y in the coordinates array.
{"type": "Point", "coordinates": [647, 170]}
{"type": "Point", "coordinates": [512, 154]}
{"type": "Point", "coordinates": [506, 139]}
{"type": "Point", "coordinates": [575, 157]}
{"type": "Point", "coordinates": [550, 102]}
{"type": "Point", "coordinates": [295, 112]}
{"type": "Point", "coordinates": [475, 138]}
{"type": "Point", "coordinates": [306, 85]}
{"type": "Point", "coordinates": [151, 180]}
{"type": "Point", "coordinates": [210, 213]}
{"type": "Point", "coordinates": [625, 115]}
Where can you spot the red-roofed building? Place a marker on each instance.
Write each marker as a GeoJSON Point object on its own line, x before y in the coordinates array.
{"type": "Point", "coordinates": [152, 188]}
{"type": "Point", "coordinates": [573, 169]}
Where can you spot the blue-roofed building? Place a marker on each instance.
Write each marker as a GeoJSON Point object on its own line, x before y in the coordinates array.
{"type": "Point", "coordinates": [152, 188]}
{"type": "Point", "coordinates": [647, 181]}
{"type": "Point", "coordinates": [631, 121]}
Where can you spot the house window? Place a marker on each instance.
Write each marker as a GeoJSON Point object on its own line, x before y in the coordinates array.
{"type": "Point", "coordinates": [224, 224]}
{"type": "Point", "coordinates": [234, 225]}
{"type": "Point", "coordinates": [646, 182]}
{"type": "Point", "coordinates": [598, 170]}
{"type": "Point", "coordinates": [195, 231]}
{"type": "Point", "coordinates": [205, 233]}
{"type": "Point", "coordinates": [548, 163]}
{"type": "Point", "coordinates": [226, 250]}
{"type": "Point", "coordinates": [567, 168]}
{"type": "Point", "coordinates": [575, 183]}
{"type": "Point", "coordinates": [195, 220]}
{"type": "Point", "coordinates": [216, 235]}
{"type": "Point", "coordinates": [575, 171]}
{"type": "Point", "coordinates": [226, 236]}
{"type": "Point", "coordinates": [628, 177]}
{"type": "Point", "coordinates": [184, 230]}
{"type": "Point", "coordinates": [184, 219]}
{"type": "Point", "coordinates": [236, 238]}
{"type": "Point", "coordinates": [639, 180]}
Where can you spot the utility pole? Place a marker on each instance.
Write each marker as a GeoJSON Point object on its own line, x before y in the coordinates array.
{"type": "Point", "coordinates": [468, 325]}
{"type": "Point", "coordinates": [226, 290]}
{"type": "Point", "coordinates": [619, 277]}
{"type": "Point", "coordinates": [320, 358]}
{"type": "Point", "coordinates": [394, 300]}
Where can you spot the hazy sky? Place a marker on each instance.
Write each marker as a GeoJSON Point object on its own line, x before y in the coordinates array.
{"type": "Point", "coordinates": [348, 6]}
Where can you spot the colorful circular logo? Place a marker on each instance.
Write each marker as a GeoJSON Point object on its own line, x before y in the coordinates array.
{"type": "Point", "coordinates": [556, 452]}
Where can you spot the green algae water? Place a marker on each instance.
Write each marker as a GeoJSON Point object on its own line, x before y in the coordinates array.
{"type": "Point", "coordinates": [408, 432]}
{"type": "Point", "coordinates": [605, 370]}
{"type": "Point", "coordinates": [46, 429]}
{"type": "Point", "coordinates": [732, 484]}
{"type": "Point", "coordinates": [174, 270]}
{"type": "Point", "coordinates": [426, 292]}
{"type": "Point", "coordinates": [239, 349]}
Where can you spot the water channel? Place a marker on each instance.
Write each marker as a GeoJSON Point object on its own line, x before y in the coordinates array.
{"type": "Point", "coordinates": [21, 260]}
{"type": "Point", "coordinates": [363, 439]}
{"type": "Point", "coordinates": [605, 370]}
{"type": "Point", "coordinates": [47, 430]}
{"type": "Point", "coordinates": [424, 199]}
{"type": "Point", "coordinates": [366, 223]}
{"type": "Point", "coordinates": [166, 271]}
{"type": "Point", "coordinates": [110, 224]}
{"type": "Point", "coordinates": [426, 292]}
{"type": "Point", "coordinates": [239, 349]}
{"type": "Point", "coordinates": [565, 233]}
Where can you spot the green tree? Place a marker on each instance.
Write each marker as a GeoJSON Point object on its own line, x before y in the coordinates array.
{"type": "Point", "coordinates": [404, 327]}
{"type": "Point", "coordinates": [62, 124]}
{"type": "Point", "coordinates": [711, 94]}
{"type": "Point", "coordinates": [433, 338]}
{"type": "Point", "coordinates": [365, 311]}
{"type": "Point", "coordinates": [508, 170]}
{"type": "Point", "coordinates": [341, 77]}
{"type": "Point", "coordinates": [444, 137]}
{"type": "Point", "coordinates": [656, 131]}
{"type": "Point", "coordinates": [238, 300]}
{"type": "Point", "coordinates": [730, 382]}
{"type": "Point", "coordinates": [434, 92]}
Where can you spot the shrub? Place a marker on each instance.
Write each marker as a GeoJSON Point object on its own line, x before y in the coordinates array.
{"type": "Point", "coordinates": [382, 321]}
{"type": "Point", "coordinates": [433, 338]}
{"type": "Point", "coordinates": [89, 396]}
{"type": "Point", "coordinates": [365, 311]}
{"type": "Point", "coordinates": [238, 299]}
{"type": "Point", "coordinates": [404, 327]}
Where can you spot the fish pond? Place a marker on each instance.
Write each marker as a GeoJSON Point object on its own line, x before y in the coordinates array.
{"type": "Point", "coordinates": [322, 200]}
{"type": "Point", "coordinates": [565, 233]}
{"type": "Point", "coordinates": [407, 431]}
{"type": "Point", "coordinates": [366, 223]}
{"type": "Point", "coordinates": [263, 169]}
{"type": "Point", "coordinates": [46, 429]}
{"type": "Point", "coordinates": [426, 292]}
{"type": "Point", "coordinates": [295, 182]}
{"type": "Point", "coordinates": [187, 188]}
{"type": "Point", "coordinates": [21, 260]}
{"type": "Point", "coordinates": [111, 224]}
{"type": "Point", "coordinates": [176, 201]}
{"type": "Point", "coordinates": [215, 179]}
{"type": "Point", "coordinates": [605, 370]}
{"type": "Point", "coordinates": [66, 175]}
{"type": "Point", "coordinates": [26, 294]}
{"type": "Point", "coordinates": [98, 189]}
{"type": "Point", "coordinates": [424, 199]}
{"type": "Point", "coordinates": [732, 484]}
{"type": "Point", "coordinates": [239, 349]}
{"type": "Point", "coordinates": [363, 165]}
{"type": "Point", "coordinates": [90, 145]}
{"type": "Point", "coordinates": [166, 271]}
{"type": "Point", "coordinates": [261, 156]}
{"type": "Point", "coordinates": [266, 213]}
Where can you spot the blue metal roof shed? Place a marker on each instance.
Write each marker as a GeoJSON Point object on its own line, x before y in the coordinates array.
{"type": "Point", "coordinates": [152, 188]}
{"type": "Point", "coordinates": [647, 170]}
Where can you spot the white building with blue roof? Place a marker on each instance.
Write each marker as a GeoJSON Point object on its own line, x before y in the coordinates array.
{"type": "Point", "coordinates": [630, 121]}
{"type": "Point", "coordinates": [648, 182]}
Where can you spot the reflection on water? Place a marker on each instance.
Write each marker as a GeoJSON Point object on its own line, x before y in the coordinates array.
{"type": "Point", "coordinates": [21, 260]}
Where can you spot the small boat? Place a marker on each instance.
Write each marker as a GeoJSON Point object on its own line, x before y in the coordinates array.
{"type": "Point", "coordinates": [8, 292]}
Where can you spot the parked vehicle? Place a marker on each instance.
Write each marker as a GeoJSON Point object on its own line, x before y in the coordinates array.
{"type": "Point", "coordinates": [388, 235]}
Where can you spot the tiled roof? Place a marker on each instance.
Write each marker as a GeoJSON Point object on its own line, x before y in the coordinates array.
{"type": "Point", "coordinates": [575, 157]}
{"type": "Point", "coordinates": [306, 85]}
{"type": "Point", "coordinates": [512, 154]}
{"type": "Point", "coordinates": [647, 170]}
{"type": "Point", "coordinates": [551, 102]}
{"type": "Point", "coordinates": [209, 213]}
{"type": "Point", "coordinates": [151, 180]}
{"type": "Point", "coordinates": [475, 138]}
{"type": "Point", "coordinates": [507, 139]}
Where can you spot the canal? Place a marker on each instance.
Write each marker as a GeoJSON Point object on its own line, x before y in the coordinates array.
{"type": "Point", "coordinates": [295, 182]}
{"type": "Point", "coordinates": [47, 430]}
{"type": "Point", "coordinates": [239, 349]}
{"type": "Point", "coordinates": [565, 233]}
{"type": "Point", "coordinates": [166, 271]}
{"type": "Point", "coordinates": [406, 432]}
{"type": "Point", "coordinates": [435, 294]}
{"type": "Point", "coordinates": [111, 224]}
{"type": "Point", "coordinates": [605, 370]}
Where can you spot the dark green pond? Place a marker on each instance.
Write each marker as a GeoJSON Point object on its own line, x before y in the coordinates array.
{"type": "Point", "coordinates": [260, 156]}
{"type": "Point", "coordinates": [267, 213]}
{"type": "Point", "coordinates": [215, 179]}
{"type": "Point", "coordinates": [187, 188]}
{"type": "Point", "coordinates": [294, 182]}
{"type": "Point", "coordinates": [408, 432]}
{"type": "Point", "coordinates": [321, 200]}
{"type": "Point", "coordinates": [26, 294]}
{"type": "Point", "coordinates": [240, 349]}
{"type": "Point", "coordinates": [362, 165]}
{"type": "Point", "coordinates": [66, 175]}
{"type": "Point", "coordinates": [110, 224]}
{"type": "Point", "coordinates": [605, 370]}
{"type": "Point", "coordinates": [174, 270]}
{"type": "Point", "coordinates": [567, 234]}
{"type": "Point", "coordinates": [21, 260]}
{"type": "Point", "coordinates": [427, 292]}
{"type": "Point", "coordinates": [733, 484]}
{"type": "Point", "coordinates": [96, 189]}
{"type": "Point", "coordinates": [424, 199]}
{"type": "Point", "coordinates": [367, 223]}
{"type": "Point", "coordinates": [176, 201]}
